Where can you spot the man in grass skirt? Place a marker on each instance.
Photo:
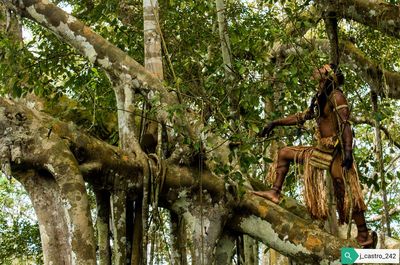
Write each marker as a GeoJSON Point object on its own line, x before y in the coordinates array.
{"type": "Point", "coordinates": [333, 152]}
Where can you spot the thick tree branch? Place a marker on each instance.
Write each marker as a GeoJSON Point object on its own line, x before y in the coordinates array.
{"type": "Point", "coordinates": [393, 211]}
{"type": "Point", "coordinates": [358, 120]}
{"type": "Point", "coordinates": [381, 80]}
{"type": "Point", "coordinates": [287, 233]}
{"type": "Point", "coordinates": [377, 14]}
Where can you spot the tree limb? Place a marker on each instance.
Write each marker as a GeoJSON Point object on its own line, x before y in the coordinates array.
{"type": "Point", "coordinates": [298, 239]}
{"type": "Point", "coordinates": [376, 14]}
{"type": "Point", "coordinates": [331, 27]}
{"type": "Point", "coordinates": [379, 217]}
{"type": "Point", "coordinates": [358, 120]}
{"type": "Point", "coordinates": [381, 80]}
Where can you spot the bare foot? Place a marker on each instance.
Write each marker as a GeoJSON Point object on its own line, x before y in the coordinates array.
{"type": "Point", "coordinates": [367, 239]}
{"type": "Point", "coordinates": [271, 195]}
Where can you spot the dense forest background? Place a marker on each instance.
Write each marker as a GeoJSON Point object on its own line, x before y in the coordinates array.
{"type": "Point", "coordinates": [271, 49]}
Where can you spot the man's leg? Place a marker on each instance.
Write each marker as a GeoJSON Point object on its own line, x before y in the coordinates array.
{"type": "Point", "coordinates": [364, 238]}
{"type": "Point", "coordinates": [286, 155]}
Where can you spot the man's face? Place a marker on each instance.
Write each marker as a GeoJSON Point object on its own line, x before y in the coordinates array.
{"type": "Point", "coordinates": [321, 75]}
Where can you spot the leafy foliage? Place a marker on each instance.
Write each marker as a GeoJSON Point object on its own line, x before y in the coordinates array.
{"type": "Point", "coordinates": [19, 231]}
{"type": "Point", "coordinates": [78, 91]}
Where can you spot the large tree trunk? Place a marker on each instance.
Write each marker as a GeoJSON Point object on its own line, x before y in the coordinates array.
{"type": "Point", "coordinates": [205, 220]}
{"type": "Point", "coordinates": [225, 248]}
{"type": "Point", "coordinates": [45, 197]}
{"type": "Point", "coordinates": [152, 39]}
{"type": "Point", "coordinates": [61, 164]}
{"type": "Point", "coordinates": [118, 209]}
{"type": "Point", "coordinates": [45, 151]}
{"type": "Point", "coordinates": [250, 250]}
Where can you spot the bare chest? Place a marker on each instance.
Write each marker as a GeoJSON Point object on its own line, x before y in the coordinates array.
{"type": "Point", "coordinates": [327, 121]}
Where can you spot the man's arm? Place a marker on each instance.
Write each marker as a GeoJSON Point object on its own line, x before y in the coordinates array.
{"type": "Point", "coordinates": [343, 111]}
{"type": "Point", "coordinates": [298, 118]}
{"type": "Point", "coordinates": [295, 119]}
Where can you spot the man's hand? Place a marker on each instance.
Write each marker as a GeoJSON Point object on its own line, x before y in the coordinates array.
{"type": "Point", "coordinates": [267, 130]}
{"type": "Point", "coordinates": [348, 159]}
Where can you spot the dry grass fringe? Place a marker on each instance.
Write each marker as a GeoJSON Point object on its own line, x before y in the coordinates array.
{"type": "Point", "coordinates": [315, 189]}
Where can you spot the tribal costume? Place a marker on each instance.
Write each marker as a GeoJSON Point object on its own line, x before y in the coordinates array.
{"type": "Point", "coordinates": [326, 155]}
{"type": "Point", "coordinates": [333, 152]}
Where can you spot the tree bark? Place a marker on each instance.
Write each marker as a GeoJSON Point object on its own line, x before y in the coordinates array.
{"type": "Point", "coordinates": [298, 239]}
{"type": "Point", "coordinates": [62, 165]}
{"type": "Point", "coordinates": [103, 226]}
{"type": "Point", "coordinates": [376, 14]}
{"type": "Point", "coordinates": [118, 208]}
{"type": "Point", "coordinates": [45, 197]}
{"type": "Point", "coordinates": [152, 39]}
{"type": "Point", "coordinates": [332, 218]}
{"type": "Point", "coordinates": [137, 242]}
{"type": "Point", "coordinates": [225, 248]}
{"type": "Point", "coordinates": [9, 24]}
{"type": "Point", "coordinates": [224, 39]}
{"type": "Point", "coordinates": [205, 221]}
{"type": "Point", "coordinates": [179, 240]}
{"type": "Point", "coordinates": [383, 81]}
{"type": "Point", "coordinates": [250, 250]}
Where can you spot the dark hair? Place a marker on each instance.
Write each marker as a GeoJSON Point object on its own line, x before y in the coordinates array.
{"type": "Point", "coordinates": [329, 85]}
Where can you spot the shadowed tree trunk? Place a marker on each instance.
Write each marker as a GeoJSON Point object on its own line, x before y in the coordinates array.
{"type": "Point", "coordinates": [103, 226]}
{"type": "Point", "coordinates": [179, 238]}
{"type": "Point", "coordinates": [225, 248]}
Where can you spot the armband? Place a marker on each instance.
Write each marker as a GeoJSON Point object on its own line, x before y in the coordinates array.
{"type": "Point", "coordinates": [347, 122]}
{"type": "Point", "coordinates": [341, 107]}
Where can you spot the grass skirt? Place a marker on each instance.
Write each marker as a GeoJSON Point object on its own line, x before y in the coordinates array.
{"type": "Point", "coordinates": [348, 193]}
